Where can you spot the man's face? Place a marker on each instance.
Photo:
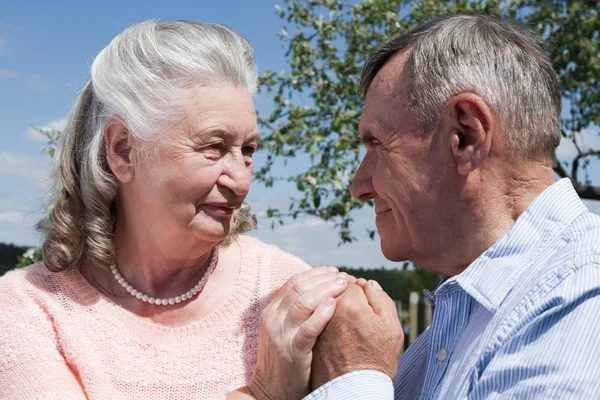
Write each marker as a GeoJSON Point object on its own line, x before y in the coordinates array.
{"type": "Point", "coordinates": [403, 172]}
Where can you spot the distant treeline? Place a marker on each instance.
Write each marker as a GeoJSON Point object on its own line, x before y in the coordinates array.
{"type": "Point", "coordinates": [398, 283]}
{"type": "Point", "coordinates": [9, 256]}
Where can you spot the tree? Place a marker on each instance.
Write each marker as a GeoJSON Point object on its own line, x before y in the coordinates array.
{"type": "Point", "coordinates": [317, 108]}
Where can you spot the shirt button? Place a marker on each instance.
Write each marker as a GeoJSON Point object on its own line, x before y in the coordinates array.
{"type": "Point", "coordinates": [442, 355]}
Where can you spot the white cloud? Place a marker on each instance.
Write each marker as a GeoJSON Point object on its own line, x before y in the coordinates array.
{"type": "Point", "coordinates": [34, 135]}
{"type": "Point", "coordinates": [589, 138]}
{"type": "Point", "coordinates": [35, 170]}
{"type": "Point", "coordinates": [11, 218]}
{"type": "Point", "coordinates": [36, 83]}
{"type": "Point", "coordinates": [8, 73]}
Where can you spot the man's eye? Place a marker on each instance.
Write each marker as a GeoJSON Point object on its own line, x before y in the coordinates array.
{"type": "Point", "coordinates": [248, 150]}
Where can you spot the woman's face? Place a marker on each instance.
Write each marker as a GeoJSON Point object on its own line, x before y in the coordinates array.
{"type": "Point", "coordinates": [191, 183]}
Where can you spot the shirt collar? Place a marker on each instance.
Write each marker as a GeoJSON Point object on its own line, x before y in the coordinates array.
{"type": "Point", "coordinates": [492, 275]}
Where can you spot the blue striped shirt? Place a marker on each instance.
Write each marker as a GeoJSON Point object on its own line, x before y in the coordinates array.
{"type": "Point", "coordinates": [521, 322]}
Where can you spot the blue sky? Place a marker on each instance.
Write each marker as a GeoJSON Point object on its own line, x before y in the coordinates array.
{"type": "Point", "coordinates": [46, 49]}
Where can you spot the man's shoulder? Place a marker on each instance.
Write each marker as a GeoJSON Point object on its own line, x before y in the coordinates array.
{"type": "Point", "coordinates": [584, 231]}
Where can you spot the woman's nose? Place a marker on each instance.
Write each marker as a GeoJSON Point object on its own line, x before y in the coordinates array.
{"type": "Point", "coordinates": [237, 173]}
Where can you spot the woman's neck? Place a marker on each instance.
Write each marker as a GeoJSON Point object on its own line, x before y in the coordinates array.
{"type": "Point", "coordinates": [165, 266]}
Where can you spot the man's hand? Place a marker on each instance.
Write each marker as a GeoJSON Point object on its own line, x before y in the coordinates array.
{"type": "Point", "coordinates": [289, 327]}
{"type": "Point", "coordinates": [364, 334]}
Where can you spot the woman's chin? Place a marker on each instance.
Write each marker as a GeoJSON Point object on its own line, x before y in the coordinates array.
{"type": "Point", "coordinates": [212, 230]}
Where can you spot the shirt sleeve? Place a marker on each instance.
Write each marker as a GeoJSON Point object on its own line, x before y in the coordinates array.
{"type": "Point", "coordinates": [31, 363]}
{"type": "Point", "coordinates": [372, 385]}
{"type": "Point", "coordinates": [555, 353]}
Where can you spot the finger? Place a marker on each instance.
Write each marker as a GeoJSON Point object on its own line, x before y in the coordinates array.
{"type": "Point", "coordinates": [380, 302]}
{"type": "Point", "coordinates": [361, 282]}
{"type": "Point", "coordinates": [309, 331]}
{"type": "Point", "coordinates": [311, 273]}
{"type": "Point", "coordinates": [305, 305]}
{"type": "Point", "coordinates": [305, 286]}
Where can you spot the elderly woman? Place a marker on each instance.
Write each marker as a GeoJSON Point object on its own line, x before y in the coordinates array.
{"type": "Point", "coordinates": [147, 289]}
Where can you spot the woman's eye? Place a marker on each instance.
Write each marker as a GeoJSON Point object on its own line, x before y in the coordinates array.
{"type": "Point", "coordinates": [216, 146]}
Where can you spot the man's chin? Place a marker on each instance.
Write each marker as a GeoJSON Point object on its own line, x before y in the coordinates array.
{"type": "Point", "coordinates": [392, 253]}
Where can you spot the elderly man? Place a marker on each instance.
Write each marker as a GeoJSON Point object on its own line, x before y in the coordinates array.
{"type": "Point", "coordinates": [461, 123]}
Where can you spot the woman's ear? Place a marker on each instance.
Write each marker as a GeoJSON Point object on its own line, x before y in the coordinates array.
{"type": "Point", "coordinates": [472, 125]}
{"type": "Point", "coordinates": [119, 150]}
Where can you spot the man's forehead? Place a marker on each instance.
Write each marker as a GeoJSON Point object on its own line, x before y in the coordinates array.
{"type": "Point", "coordinates": [392, 77]}
{"type": "Point", "coordinates": [387, 97]}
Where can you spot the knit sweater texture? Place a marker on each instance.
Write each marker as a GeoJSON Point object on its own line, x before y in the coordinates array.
{"type": "Point", "coordinates": [60, 338]}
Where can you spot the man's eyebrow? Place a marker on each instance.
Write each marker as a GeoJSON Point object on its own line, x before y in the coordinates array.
{"type": "Point", "coordinates": [254, 138]}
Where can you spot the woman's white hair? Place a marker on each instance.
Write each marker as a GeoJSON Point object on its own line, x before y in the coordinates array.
{"type": "Point", "coordinates": [142, 78]}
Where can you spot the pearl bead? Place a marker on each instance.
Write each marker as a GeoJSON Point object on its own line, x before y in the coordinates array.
{"type": "Point", "coordinates": [134, 292]}
{"type": "Point", "coordinates": [194, 291]}
{"type": "Point", "coordinates": [138, 295]}
{"type": "Point", "coordinates": [189, 294]}
{"type": "Point", "coordinates": [171, 301]}
{"type": "Point", "coordinates": [178, 299]}
{"type": "Point", "coordinates": [184, 297]}
{"type": "Point", "coordinates": [151, 300]}
{"type": "Point", "coordinates": [121, 280]}
{"type": "Point", "coordinates": [165, 302]}
{"type": "Point", "coordinates": [145, 298]}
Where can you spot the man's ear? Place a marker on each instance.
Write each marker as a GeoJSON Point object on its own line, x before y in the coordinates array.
{"type": "Point", "coordinates": [472, 128]}
{"type": "Point", "coordinates": [119, 150]}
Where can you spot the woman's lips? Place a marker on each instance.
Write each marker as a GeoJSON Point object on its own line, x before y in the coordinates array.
{"type": "Point", "coordinates": [219, 208]}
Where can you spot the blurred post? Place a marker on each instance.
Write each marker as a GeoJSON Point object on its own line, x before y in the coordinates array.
{"type": "Point", "coordinates": [413, 312]}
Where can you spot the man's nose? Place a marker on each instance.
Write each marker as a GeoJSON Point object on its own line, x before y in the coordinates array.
{"type": "Point", "coordinates": [362, 184]}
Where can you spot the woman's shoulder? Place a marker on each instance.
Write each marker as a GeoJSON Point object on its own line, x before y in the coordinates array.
{"type": "Point", "coordinates": [272, 254]}
{"type": "Point", "coordinates": [35, 284]}
{"type": "Point", "coordinates": [23, 299]}
{"type": "Point", "coordinates": [21, 281]}
{"type": "Point", "coordinates": [274, 265]}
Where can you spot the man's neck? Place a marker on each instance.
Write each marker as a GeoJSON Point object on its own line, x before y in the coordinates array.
{"type": "Point", "coordinates": [492, 211]}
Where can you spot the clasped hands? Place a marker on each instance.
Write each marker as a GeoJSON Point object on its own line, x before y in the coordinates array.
{"type": "Point", "coordinates": [320, 325]}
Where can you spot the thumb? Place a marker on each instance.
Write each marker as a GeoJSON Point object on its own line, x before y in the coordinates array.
{"type": "Point", "coordinates": [380, 302]}
{"type": "Point", "coordinates": [309, 331]}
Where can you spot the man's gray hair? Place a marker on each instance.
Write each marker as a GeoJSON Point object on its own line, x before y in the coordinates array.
{"type": "Point", "coordinates": [500, 61]}
{"type": "Point", "coordinates": [144, 77]}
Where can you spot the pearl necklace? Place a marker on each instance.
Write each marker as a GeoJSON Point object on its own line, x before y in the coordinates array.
{"type": "Point", "coordinates": [171, 300]}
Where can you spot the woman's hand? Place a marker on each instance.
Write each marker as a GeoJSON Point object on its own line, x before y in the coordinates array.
{"type": "Point", "coordinates": [289, 327]}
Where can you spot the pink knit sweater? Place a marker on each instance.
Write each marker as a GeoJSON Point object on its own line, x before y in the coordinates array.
{"type": "Point", "coordinates": [61, 339]}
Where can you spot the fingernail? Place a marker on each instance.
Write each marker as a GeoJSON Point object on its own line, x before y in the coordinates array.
{"type": "Point", "coordinates": [329, 302]}
{"type": "Point", "coordinates": [341, 281]}
{"type": "Point", "coordinates": [333, 269]}
{"type": "Point", "coordinates": [342, 275]}
{"type": "Point", "coordinates": [376, 285]}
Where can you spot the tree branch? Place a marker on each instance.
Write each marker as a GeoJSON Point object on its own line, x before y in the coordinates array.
{"type": "Point", "coordinates": [584, 191]}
